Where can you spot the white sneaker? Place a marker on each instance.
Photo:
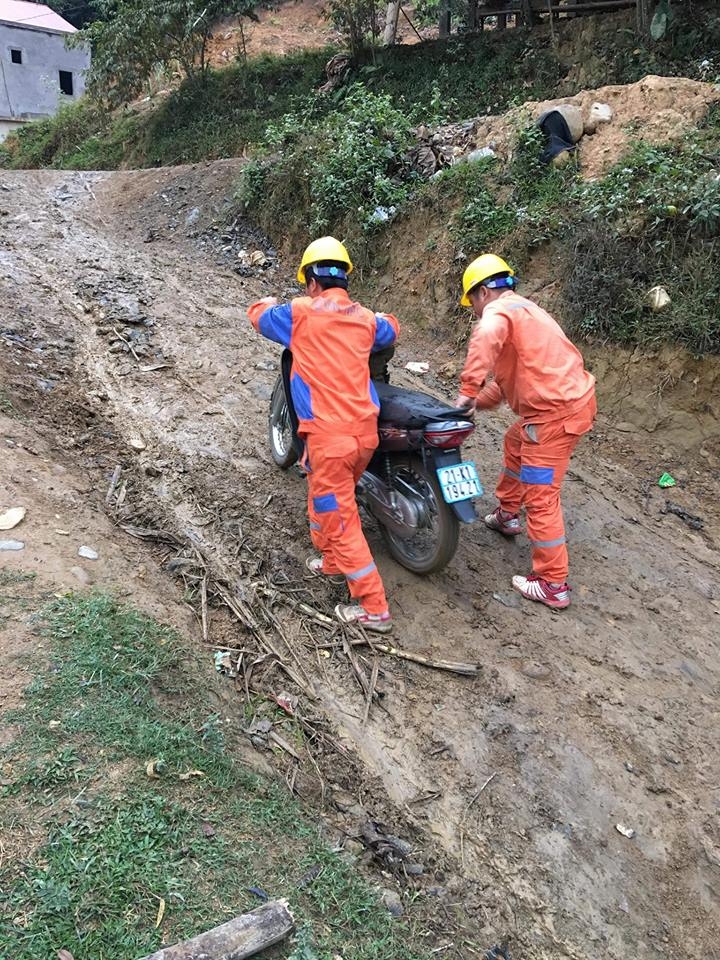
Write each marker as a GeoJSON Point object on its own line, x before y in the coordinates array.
{"type": "Point", "coordinates": [508, 524]}
{"type": "Point", "coordinates": [353, 613]}
{"type": "Point", "coordinates": [555, 595]}
{"type": "Point", "coordinates": [315, 566]}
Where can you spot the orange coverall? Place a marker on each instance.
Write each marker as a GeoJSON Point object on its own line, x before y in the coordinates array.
{"type": "Point", "coordinates": [331, 339]}
{"type": "Point", "coordinates": [542, 376]}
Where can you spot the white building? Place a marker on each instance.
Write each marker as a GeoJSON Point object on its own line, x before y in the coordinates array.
{"type": "Point", "coordinates": [37, 71]}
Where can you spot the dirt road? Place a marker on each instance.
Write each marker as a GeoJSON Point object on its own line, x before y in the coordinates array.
{"type": "Point", "coordinates": [124, 341]}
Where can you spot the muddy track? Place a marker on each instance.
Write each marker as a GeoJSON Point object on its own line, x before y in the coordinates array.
{"type": "Point", "coordinates": [602, 715]}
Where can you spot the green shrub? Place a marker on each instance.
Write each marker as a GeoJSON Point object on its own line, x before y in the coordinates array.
{"type": "Point", "coordinates": [472, 75]}
{"type": "Point", "coordinates": [332, 165]}
{"type": "Point", "coordinates": [510, 208]}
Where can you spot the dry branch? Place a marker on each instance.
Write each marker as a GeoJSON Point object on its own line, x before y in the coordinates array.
{"type": "Point", "coordinates": [126, 342]}
{"type": "Point", "coordinates": [450, 666]}
{"type": "Point", "coordinates": [371, 692]}
{"type": "Point", "coordinates": [113, 483]}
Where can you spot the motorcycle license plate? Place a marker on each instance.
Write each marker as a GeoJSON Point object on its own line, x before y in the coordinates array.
{"type": "Point", "coordinates": [459, 482]}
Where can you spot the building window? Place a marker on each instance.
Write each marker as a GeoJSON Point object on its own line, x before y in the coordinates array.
{"type": "Point", "coordinates": [66, 82]}
{"type": "Point", "coordinates": [16, 56]}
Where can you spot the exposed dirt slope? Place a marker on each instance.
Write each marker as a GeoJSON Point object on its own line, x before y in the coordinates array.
{"type": "Point", "coordinates": [289, 27]}
{"type": "Point", "coordinates": [605, 714]}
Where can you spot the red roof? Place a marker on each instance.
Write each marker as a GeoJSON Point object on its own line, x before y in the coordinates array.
{"type": "Point", "coordinates": [35, 16]}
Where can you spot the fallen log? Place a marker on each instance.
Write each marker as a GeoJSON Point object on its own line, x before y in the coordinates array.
{"type": "Point", "coordinates": [244, 936]}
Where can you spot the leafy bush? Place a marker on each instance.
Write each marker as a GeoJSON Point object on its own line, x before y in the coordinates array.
{"type": "Point", "coordinates": [658, 189]}
{"type": "Point", "coordinates": [332, 163]}
{"type": "Point", "coordinates": [605, 289]}
{"type": "Point", "coordinates": [133, 36]}
{"type": "Point", "coordinates": [510, 209]}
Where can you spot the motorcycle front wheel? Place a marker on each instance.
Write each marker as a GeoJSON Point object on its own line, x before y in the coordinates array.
{"type": "Point", "coordinates": [435, 543]}
{"type": "Point", "coordinates": [280, 433]}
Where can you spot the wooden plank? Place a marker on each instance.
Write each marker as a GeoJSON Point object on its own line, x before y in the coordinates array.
{"type": "Point", "coordinates": [245, 936]}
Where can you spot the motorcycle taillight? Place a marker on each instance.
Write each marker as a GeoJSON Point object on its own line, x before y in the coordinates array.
{"type": "Point", "coordinates": [448, 435]}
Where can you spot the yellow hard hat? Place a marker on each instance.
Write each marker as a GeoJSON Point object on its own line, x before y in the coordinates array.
{"type": "Point", "coordinates": [488, 265]}
{"type": "Point", "coordinates": [324, 248]}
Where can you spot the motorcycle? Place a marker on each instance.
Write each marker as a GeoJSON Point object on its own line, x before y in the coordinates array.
{"type": "Point", "coordinates": [417, 486]}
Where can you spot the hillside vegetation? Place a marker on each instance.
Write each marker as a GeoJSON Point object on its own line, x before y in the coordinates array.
{"type": "Point", "coordinates": [339, 162]}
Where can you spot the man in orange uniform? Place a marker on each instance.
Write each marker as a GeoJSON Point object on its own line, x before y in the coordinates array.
{"type": "Point", "coordinates": [331, 339]}
{"type": "Point", "coordinates": [542, 376]}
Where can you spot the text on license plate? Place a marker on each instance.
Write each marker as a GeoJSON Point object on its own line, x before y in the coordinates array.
{"type": "Point", "coordinates": [459, 482]}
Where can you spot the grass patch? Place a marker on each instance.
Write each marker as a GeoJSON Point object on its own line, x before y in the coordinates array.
{"type": "Point", "coordinates": [509, 208]}
{"type": "Point", "coordinates": [119, 842]}
{"type": "Point", "coordinates": [468, 75]}
{"type": "Point", "coordinates": [80, 137]}
{"type": "Point", "coordinates": [654, 220]}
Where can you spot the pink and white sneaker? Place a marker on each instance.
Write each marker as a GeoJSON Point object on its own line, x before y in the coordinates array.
{"type": "Point", "coordinates": [508, 524]}
{"type": "Point", "coordinates": [315, 566]}
{"type": "Point", "coordinates": [555, 595]}
{"type": "Point", "coordinates": [349, 613]}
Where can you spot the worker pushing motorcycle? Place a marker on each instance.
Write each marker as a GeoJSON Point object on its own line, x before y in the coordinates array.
{"type": "Point", "coordinates": [332, 339]}
{"type": "Point", "coordinates": [541, 375]}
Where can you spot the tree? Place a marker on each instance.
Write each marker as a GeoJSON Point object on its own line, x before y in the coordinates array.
{"type": "Point", "coordinates": [134, 37]}
{"type": "Point", "coordinates": [77, 12]}
{"type": "Point", "coordinates": [359, 21]}
{"type": "Point", "coordinates": [391, 22]}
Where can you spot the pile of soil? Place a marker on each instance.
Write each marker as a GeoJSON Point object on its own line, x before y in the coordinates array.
{"type": "Point", "coordinates": [656, 110]}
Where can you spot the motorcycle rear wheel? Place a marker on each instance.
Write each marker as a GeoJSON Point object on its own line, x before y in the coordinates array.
{"type": "Point", "coordinates": [434, 545]}
{"type": "Point", "coordinates": [280, 432]}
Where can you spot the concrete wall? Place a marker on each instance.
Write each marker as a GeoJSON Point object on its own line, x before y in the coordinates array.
{"type": "Point", "coordinates": [8, 126]}
{"type": "Point", "coordinates": [32, 89]}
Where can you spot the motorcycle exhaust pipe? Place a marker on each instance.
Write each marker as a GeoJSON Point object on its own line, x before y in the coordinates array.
{"type": "Point", "coordinates": [394, 511]}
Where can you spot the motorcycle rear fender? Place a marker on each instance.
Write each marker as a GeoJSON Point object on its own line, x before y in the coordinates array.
{"type": "Point", "coordinates": [464, 510]}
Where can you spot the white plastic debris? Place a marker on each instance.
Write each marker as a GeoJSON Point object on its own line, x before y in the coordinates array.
{"type": "Point", "coordinates": [12, 545]}
{"type": "Point", "coordinates": [137, 443]}
{"type": "Point", "coordinates": [625, 831]}
{"type": "Point", "coordinates": [420, 366]}
{"type": "Point", "coordinates": [11, 518]}
{"type": "Point", "coordinates": [601, 113]}
{"type": "Point", "coordinates": [657, 299]}
{"type": "Point", "coordinates": [481, 154]}
{"type": "Point", "coordinates": [382, 214]}
{"type": "Point", "coordinates": [87, 553]}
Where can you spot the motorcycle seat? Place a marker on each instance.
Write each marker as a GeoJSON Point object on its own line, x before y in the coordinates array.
{"type": "Point", "coordinates": [413, 409]}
